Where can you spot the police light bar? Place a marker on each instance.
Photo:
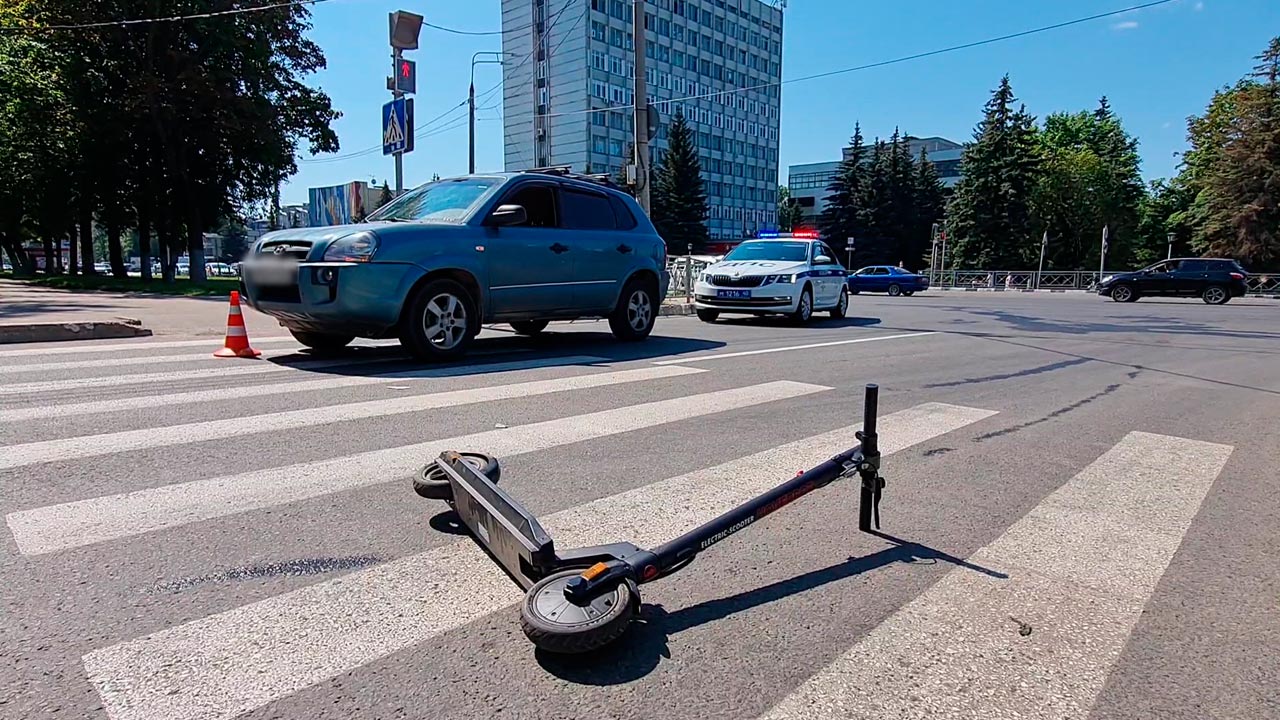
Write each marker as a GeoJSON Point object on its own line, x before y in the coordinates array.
{"type": "Point", "coordinates": [798, 234]}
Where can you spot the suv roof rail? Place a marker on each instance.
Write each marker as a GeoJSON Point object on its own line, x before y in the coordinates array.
{"type": "Point", "coordinates": [567, 171]}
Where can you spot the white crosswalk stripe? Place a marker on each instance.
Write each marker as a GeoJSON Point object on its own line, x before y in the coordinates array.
{"type": "Point", "coordinates": [231, 369]}
{"type": "Point", "coordinates": [139, 402]}
{"type": "Point", "coordinates": [73, 524]}
{"type": "Point", "coordinates": [12, 456]}
{"type": "Point", "coordinates": [1081, 566]}
{"type": "Point", "coordinates": [133, 360]}
{"type": "Point", "coordinates": [226, 664]}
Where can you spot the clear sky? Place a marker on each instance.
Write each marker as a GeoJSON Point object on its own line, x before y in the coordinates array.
{"type": "Point", "coordinates": [1157, 66]}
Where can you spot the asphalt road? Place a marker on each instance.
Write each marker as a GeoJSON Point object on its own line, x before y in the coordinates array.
{"type": "Point", "coordinates": [1079, 519]}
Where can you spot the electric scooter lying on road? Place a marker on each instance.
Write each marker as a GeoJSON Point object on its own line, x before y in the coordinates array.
{"type": "Point", "coordinates": [583, 599]}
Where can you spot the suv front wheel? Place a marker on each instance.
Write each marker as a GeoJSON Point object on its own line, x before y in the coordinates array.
{"type": "Point", "coordinates": [440, 321]}
{"type": "Point", "coordinates": [636, 312]}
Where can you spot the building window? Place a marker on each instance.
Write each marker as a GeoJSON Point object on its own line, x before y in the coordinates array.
{"type": "Point", "coordinates": [597, 31]}
{"type": "Point", "coordinates": [615, 37]}
{"type": "Point", "coordinates": [615, 147]}
{"type": "Point", "coordinates": [599, 144]}
{"type": "Point", "coordinates": [599, 89]}
{"type": "Point", "coordinates": [597, 5]}
{"type": "Point", "coordinates": [618, 9]}
{"type": "Point", "coordinates": [664, 27]}
{"type": "Point", "coordinates": [598, 119]}
{"type": "Point", "coordinates": [677, 33]}
{"type": "Point", "coordinates": [597, 60]}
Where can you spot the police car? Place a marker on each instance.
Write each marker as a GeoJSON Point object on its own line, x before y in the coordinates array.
{"type": "Point", "coordinates": [793, 274]}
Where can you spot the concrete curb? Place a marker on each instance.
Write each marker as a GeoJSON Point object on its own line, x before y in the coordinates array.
{"type": "Point", "coordinates": [676, 309]}
{"type": "Point", "coordinates": [66, 331]}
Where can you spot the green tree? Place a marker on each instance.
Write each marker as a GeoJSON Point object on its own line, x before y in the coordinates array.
{"type": "Point", "coordinates": [35, 124]}
{"type": "Point", "coordinates": [990, 212]}
{"type": "Point", "coordinates": [678, 199]}
{"type": "Point", "coordinates": [1237, 209]}
{"type": "Point", "coordinates": [1164, 210]}
{"type": "Point", "coordinates": [789, 213]}
{"type": "Point", "coordinates": [1089, 179]}
{"type": "Point", "coordinates": [930, 206]}
{"type": "Point", "coordinates": [385, 196]}
{"type": "Point", "coordinates": [846, 214]}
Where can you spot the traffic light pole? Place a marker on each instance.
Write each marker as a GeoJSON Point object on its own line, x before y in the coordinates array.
{"type": "Point", "coordinates": [396, 94]}
{"type": "Point", "coordinates": [640, 90]}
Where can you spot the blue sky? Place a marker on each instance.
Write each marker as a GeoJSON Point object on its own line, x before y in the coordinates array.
{"type": "Point", "coordinates": [1157, 66]}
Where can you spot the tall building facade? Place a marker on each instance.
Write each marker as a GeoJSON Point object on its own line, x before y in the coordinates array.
{"type": "Point", "coordinates": [567, 82]}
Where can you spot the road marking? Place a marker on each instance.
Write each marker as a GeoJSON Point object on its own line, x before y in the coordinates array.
{"type": "Point", "coordinates": [136, 360]}
{"type": "Point", "coordinates": [223, 665]}
{"type": "Point", "coordinates": [745, 353]}
{"type": "Point", "coordinates": [243, 391]}
{"type": "Point", "coordinates": [12, 456]}
{"type": "Point", "coordinates": [232, 369]}
{"type": "Point", "coordinates": [1081, 567]}
{"type": "Point", "coordinates": [85, 522]}
{"type": "Point", "coordinates": [77, 349]}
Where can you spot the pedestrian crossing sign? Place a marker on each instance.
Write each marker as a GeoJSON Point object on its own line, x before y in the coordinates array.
{"type": "Point", "coordinates": [395, 132]}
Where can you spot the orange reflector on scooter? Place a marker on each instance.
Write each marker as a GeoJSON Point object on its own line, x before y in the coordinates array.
{"type": "Point", "coordinates": [591, 572]}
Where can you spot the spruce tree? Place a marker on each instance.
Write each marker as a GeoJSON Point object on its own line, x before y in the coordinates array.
{"type": "Point", "coordinates": [385, 195]}
{"type": "Point", "coordinates": [930, 204]}
{"type": "Point", "coordinates": [990, 214]}
{"type": "Point", "coordinates": [845, 215]}
{"type": "Point", "coordinates": [678, 197]}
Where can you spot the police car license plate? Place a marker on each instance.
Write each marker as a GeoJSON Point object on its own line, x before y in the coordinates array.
{"type": "Point", "coordinates": [733, 293]}
{"type": "Point", "coordinates": [273, 273]}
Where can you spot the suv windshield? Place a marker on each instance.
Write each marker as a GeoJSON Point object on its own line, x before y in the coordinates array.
{"type": "Point", "coordinates": [785, 251]}
{"type": "Point", "coordinates": [445, 201]}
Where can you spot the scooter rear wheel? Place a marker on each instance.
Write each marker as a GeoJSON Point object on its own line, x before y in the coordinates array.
{"type": "Point", "coordinates": [555, 625]}
{"type": "Point", "coordinates": [433, 484]}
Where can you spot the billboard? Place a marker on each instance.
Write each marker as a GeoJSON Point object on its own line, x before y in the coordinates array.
{"type": "Point", "coordinates": [336, 204]}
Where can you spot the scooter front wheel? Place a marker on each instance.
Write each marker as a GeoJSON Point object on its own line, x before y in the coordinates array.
{"type": "Point", "coordinates": [555, 625]}
{"type": "Point", "coordinates": [433, 484]}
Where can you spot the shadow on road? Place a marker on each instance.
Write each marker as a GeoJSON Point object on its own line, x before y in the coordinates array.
{"type": "Point", "coordinates": [492, 352]}
{"type": "Point", "coordinates": [779, 321]}
{"type": "Point", "coordinates": [1126, 325]}
{"type": "Point", "coordinates": [645, 643]}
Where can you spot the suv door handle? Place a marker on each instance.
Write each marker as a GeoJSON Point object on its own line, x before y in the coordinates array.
{"type": "Point", "coordinates": [624, 249]}
{"type": "Point", "coordinates": [558, 248]}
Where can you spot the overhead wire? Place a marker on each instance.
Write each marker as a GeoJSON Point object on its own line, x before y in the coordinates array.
{"type": "Point", "coordinates": [882, 63]}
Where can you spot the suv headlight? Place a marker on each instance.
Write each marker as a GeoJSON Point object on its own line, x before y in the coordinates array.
{"type": "Point", "coordinates": [355, 248]}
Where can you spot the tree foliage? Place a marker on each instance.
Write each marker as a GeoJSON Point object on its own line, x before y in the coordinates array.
{"type": "Point", "coordinates": [166, 127]}
{"type": "Point", "coordinates": [678, 198]}
{"type": "Point", "coordinates": [1089, 179]}
{"type": "Point", "coordinates": [1236, 175]}
{"type": "Point", "coordinates": [883, 198]}
{"type": "Point", "coordinates": [990, 217]}
{"type": "Point", "coordinates": [789, 213]}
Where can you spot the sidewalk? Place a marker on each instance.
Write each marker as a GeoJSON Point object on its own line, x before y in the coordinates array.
{"type": "Point", "coordinates": [23, 306]}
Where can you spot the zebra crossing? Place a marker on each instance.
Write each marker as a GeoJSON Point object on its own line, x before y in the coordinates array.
{"type": "Point", "coordinates": [1079, 571]}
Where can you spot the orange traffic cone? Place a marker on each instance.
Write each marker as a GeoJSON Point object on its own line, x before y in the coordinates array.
{"type": "Point", "coordinates": [237, 342]}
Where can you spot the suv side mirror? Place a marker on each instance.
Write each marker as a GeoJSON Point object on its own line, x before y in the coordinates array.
{"type": "Point", "coordinates": [823, 260]}
{"type": "Point", "coordinates": [509, 215]}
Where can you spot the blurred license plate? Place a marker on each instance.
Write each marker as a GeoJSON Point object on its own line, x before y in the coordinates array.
{"type": "Point", "coordinates": [274, 273]}
{"type": "Point", "coordinates": [733, 293]}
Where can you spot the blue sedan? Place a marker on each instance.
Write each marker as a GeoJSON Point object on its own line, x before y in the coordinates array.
{"type": "Point", "coordinates": [887, 279]}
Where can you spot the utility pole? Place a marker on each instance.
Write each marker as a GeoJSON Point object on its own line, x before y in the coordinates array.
{"type": "Point", "coordinates": [471, 105]}
{"type": "Point", "coordinates": [396, 95]}
{"type": "Point", "coordinates": [1170, 239]}
{"type": "Point", "coordinates": [640, 91]}
{"type": "Point", "coordinates": [1044, 243]}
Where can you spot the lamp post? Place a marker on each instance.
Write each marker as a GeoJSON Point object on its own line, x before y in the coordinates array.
{"type": "Point", "coordinates": [1170, 239]}
{"type": "Point", "coordinates": [471, 105]}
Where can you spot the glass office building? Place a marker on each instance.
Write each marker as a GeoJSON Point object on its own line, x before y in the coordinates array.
{"type": "Point", "coordinates": [571, 61]}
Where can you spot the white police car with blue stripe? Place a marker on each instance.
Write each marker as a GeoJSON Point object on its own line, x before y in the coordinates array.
{"type": "Point", "coordinates": [793, 274]}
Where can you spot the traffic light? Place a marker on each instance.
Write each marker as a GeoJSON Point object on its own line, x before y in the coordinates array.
{"type": "Point", "coordinates": [406, 79]}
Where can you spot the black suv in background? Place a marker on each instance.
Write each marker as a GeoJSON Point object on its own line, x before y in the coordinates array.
{"type": "Point", "coordinates": [1214, 280]}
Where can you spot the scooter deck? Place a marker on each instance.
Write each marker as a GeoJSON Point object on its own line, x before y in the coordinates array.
{"type": "Point", "coordinates": [499, 523]}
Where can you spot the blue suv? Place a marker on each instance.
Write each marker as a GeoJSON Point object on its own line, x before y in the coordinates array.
{"type": "Point", "coordinates": [435, 264]}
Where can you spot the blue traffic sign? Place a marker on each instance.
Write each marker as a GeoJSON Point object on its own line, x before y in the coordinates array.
{"type": "Point", "coordinates": [395, 135]}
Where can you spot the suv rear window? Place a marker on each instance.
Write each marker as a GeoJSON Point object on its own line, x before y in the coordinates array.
{"type": "Point", "coordinates": [586, 211]}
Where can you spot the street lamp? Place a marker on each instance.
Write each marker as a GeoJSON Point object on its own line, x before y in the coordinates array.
{"type": "Point", "coordinates": [471, 104]}
{"type": "Point", "coordinates": [1170, 239]}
